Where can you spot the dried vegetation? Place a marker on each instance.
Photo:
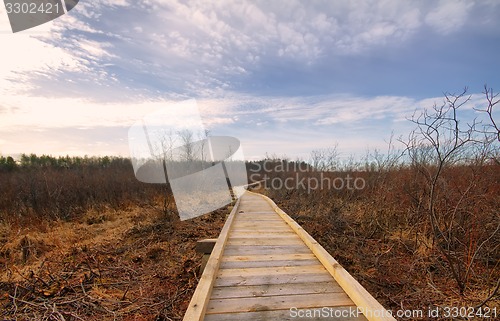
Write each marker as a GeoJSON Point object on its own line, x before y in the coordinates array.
{"type": "Point", "coordinates": [98, 245]}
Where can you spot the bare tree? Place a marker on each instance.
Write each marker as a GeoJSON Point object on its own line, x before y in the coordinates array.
{"type": "Point", "coordinates": [492, 100]}
{"type": "Point", "coordinates": [491, 129]}
{"type": "Point", "coordinates": [186, 137]}
{"type": "Point", "coordinates": [440, 141]}
{"type": "Point", "coordinates": [317, 157]}
{"type": "Point", "coordinates": [205, 148]}
{"type": "Point", "coordinates": [162, 149]}
{"type": "Point", "coordinates": [325, 159]}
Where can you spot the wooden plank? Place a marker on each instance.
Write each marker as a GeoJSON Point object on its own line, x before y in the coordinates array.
{"type": "Point", "coordinates": [319, 314]}
{"type": "Point", "coordinates": [261, 225]}
{"type": "Point", "coordinates": [262, 217]}
{"type": "Point", "coordinates": [198, 304]}
{"type": "Point", "coordinates": [254, 211]}
{"type": "Point", "coordinates": [271, 257]}
{"type": "Point", "coordinates": [274, 270]}
{"type": "Point", "coordinates": [314, 300]}
{"type": "Point", "coordinates": [251, 230]}
{"type": "Point", "coordinates": [258, 219]}
{"type": "Point", "coordinates": [226, 292]}
{"type": "Point", "coordinates": [261, 220]}
{"type": "Point", "coordinates": [270, 213]}
{"type": "Point", "coordinates": [362, 298]}
{"type": "Point", "coordinates": [257, 213]}
{"type": "Point", "coordinates": [261, 233]}
{"type": "Point", "coordinates": [268, 263]}
{"type": "Point", "coordinates": [265, 249]}
{"type": "Point", "coordinates": [256, 235]}
{"type": "Point", "coordinates": [264, 224]}
{"type": "Point", "coordinates": [272, 279]}
{"type": "Point", "coordinates": [249, 212]}
{"type": "Point", "coordinates": [265, 241]}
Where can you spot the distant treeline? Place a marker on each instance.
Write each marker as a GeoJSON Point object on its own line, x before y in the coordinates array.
{"type": "Point", "coordinates": [32, 160]}
{"type": "Point", "coordinates": [64, 187]}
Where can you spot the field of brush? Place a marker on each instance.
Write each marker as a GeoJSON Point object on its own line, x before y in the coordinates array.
{"type": "Point", "coordinates": [82, 239]}
{"type": "Point", "coordinates": [412, 249]}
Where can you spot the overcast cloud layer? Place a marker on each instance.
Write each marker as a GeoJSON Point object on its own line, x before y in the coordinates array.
{"type": "Point", "coordinates": [284, 77]}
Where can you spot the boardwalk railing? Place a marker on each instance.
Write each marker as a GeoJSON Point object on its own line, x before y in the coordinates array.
{"type": "Point", "coordinates": [264, 266]}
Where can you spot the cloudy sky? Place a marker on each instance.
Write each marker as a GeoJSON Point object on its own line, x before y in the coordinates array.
{"type": "Point", "coordinates": [284, 77]}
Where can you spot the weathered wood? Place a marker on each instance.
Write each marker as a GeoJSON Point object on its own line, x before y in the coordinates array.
{"type": "Point", "coordinates": [264, 264]}
{"type": "Point", "coordinates": [257, 217]}
{"type": "Point", "coordinates": [272, 279]}
{"type": "Point", "coordinates": [274, 270]}
{"type": "Point", "coordinates": [265, 249]}
{"type": "Point", "coordinates": [267, 263]}
{"type": "Point", "coordinates": [273, 227]}
{"type": "Point", "coordinates": [226, 292]}
{"type": "Point", "coordinates": [321, 314]}
{"type": "Point", "coordinates": [245, 232]}
{"type": "Point", "coordinates": [255, 223]}
{"type": "Point", "coordinates": [362, 298]}
{"type": "Point", "coordinates": [265, 241]}
{"type": "Point", "coordinates": [268, 257]}
{"type": "Point", "coordinates": [250, 304]}
{"type": "Point", "coordinates": [262, 230]}
{"type": "Point", "coordinates": [262, 235]}
{"type": "Point", "coordinates": [198, 304]}
{"type": "Point", "coordinates": [255, 212]}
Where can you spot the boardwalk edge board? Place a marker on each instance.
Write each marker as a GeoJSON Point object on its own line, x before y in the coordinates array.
{"type": "Point", "coordinates": [226, 268]}
{"type": "Point", "coordinates": [198, 304]}
{"type": "Point", "coordinates": [372, 309]}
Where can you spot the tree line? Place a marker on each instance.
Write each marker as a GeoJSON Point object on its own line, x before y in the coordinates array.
{"type": "Point", "coordinates": [8, 163]}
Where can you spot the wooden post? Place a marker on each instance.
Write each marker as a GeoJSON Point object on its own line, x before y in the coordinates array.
{"type": "Point", "coordinates": [205, 247]}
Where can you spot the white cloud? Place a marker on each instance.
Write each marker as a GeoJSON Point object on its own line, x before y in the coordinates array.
{"type": "Point", "coordinates": [449, 15]}
{"type": "Point", "coordinates": [288, 125]}
{"type": "Point", "coordinates": [155, 49]}
{"type": "Point", "coordinates": [46, 113]}
{"type": "Point", "coordinates": [204, 47]}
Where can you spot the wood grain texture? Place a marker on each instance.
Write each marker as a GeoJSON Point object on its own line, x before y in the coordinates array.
{"type": "Point", "coordinates": [275, 289]}
{"type": "Point", "coordinates": [252, 304]}
{"type": "Point", "coordinates": [356, 291]}
{"type": "Point", "coordinates": [264, 265]}
{"type": "Point", "coordinates": [290, 315]}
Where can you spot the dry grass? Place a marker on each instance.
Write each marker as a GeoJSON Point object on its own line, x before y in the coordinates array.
{"type": "Point", "coordinates": [117, 265]}
{"type": "Point", "coordinates": [382, 235]}
{"type": "Point", "coordinates": [92, 243]}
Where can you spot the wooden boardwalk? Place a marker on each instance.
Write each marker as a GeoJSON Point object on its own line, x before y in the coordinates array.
{"type": "Point", "coordinates": [264, 266]}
